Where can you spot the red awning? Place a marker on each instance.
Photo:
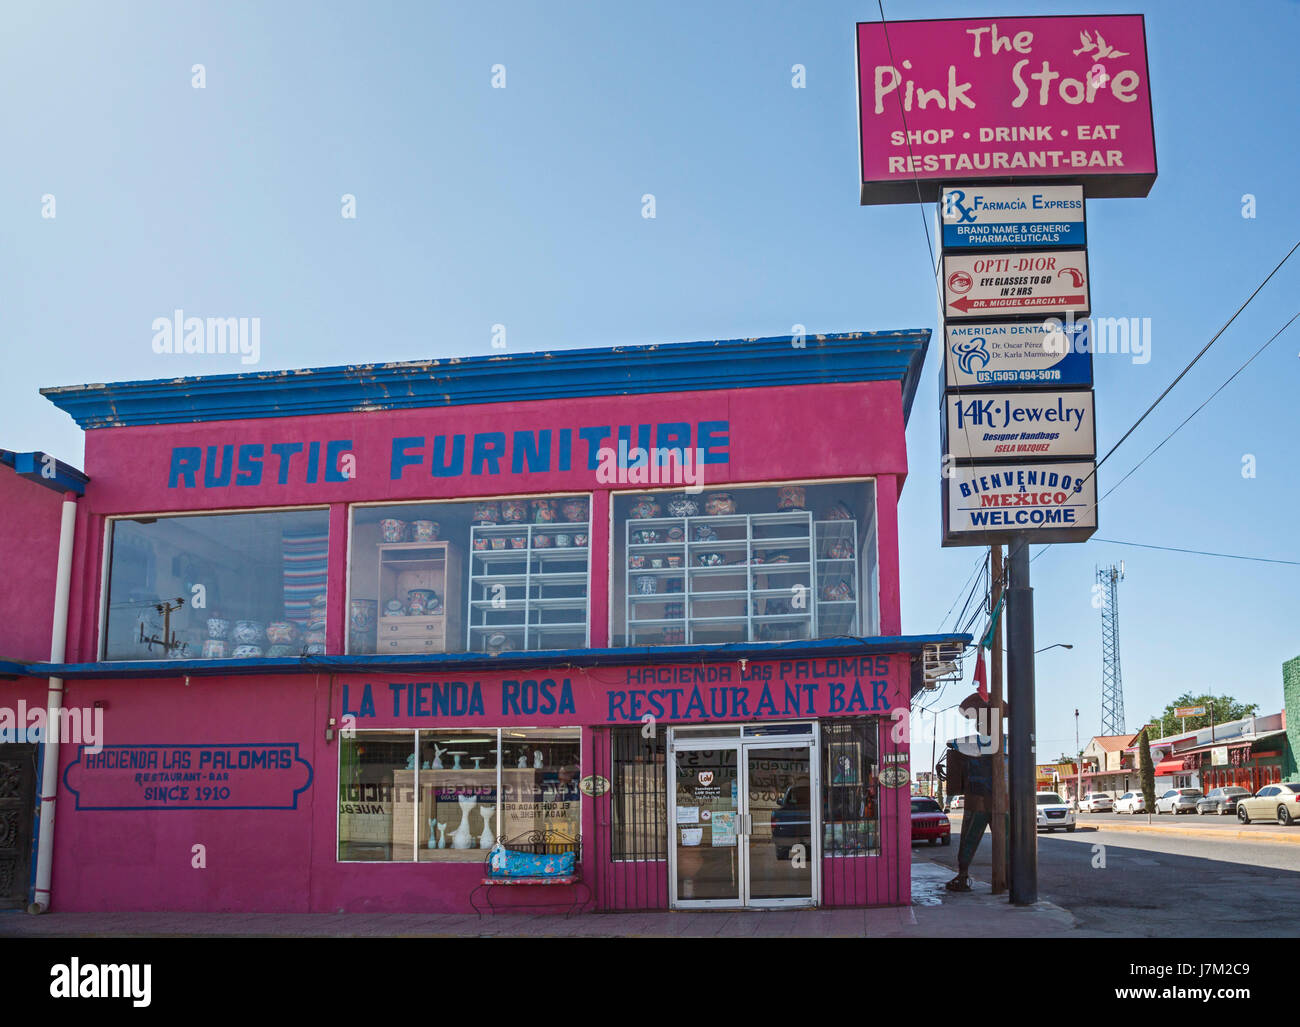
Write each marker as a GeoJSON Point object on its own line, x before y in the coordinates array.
{"type": "Point", "coordinates": [1166, 767]}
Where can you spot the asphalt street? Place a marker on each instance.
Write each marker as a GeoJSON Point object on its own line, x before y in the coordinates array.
{"type": "Point", "coordinates": [1168, 884]}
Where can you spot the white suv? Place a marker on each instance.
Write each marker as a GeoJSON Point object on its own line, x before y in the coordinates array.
{"type": "Point", "coordinates": [1054, 812]}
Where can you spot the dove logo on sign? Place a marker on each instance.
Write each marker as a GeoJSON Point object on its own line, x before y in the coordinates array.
{"type": "Point", "coordinates": [971, 353]}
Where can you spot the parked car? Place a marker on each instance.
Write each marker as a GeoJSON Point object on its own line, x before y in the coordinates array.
{"type": "Point", "coordinates": [1221, 800]}
{"type": "Point", "coordinates": [1096, 802]}
{"type": "Point", "coordinates": [1272, 802]}
{"type": "Point", "coordinates": [928, 821]}
{"type": "Point", "coordinates": [792, 821]}
{"type": "Point", "coordinates": [1131, 802]}
{"type": "Point", "coordinates": [953, 802]}
{"type": "Point", "coordinates": [1178, 800]}
{"type": "Point", "coordinates": [1054, 812]}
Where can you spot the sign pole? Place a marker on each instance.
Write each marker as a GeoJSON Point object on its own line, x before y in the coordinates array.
{"type": "Point", "coordinates": [999, 823]}
{"type": "Point", "coordinates": [1020, 695]}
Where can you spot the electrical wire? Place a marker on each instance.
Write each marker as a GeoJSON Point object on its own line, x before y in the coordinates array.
{"type": "Point", "coordinates": [1198, 552]}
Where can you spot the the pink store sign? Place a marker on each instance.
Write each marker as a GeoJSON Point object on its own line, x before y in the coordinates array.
{"type": "Point", "coordinates": [961, 100]}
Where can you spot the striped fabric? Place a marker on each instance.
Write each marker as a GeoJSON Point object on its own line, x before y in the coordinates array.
{"type": "Point", "coordinates": [304, 573]}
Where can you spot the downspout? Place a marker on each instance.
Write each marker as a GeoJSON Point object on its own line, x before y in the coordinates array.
{"type": "Point", "coordinates": [54, 708]}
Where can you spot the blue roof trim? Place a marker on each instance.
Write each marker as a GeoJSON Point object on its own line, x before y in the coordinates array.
{"type": "Point", "coordinates": [556, 374]}
{"type": "Point", "coordinates": [451, 663]}
{"type": "Point", "coordinates": [45, 470]}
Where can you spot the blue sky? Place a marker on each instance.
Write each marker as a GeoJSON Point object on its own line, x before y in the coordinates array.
{"type": "Point", "coordinates": [522, 206]}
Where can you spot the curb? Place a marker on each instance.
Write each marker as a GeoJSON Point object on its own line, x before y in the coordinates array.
{"type": "Point", "coordinates": [1184, 832]}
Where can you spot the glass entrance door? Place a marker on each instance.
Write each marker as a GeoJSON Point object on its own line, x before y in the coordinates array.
{"type": "Point", "coordinates": [745, 821]}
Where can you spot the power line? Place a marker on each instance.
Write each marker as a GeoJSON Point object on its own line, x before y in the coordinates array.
{"type": "Point", "coordinates": [1198, 552]}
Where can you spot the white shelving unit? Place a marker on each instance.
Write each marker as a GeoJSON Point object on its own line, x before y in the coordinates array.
{"type": "Point", "coordinates": [536, 596]}
{"type": "Point", "coordinates": [767, 589]}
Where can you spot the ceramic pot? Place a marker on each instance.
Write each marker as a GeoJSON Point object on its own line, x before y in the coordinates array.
{"type": "Point", "coordinates": [840, 549]}
{"type": "Point", "coordinates": [675, 560]}
{"type": "Point", "coordinates": [421, 600]}
{"type": "Point", "coordinates": [647, 585]}
{"type": "Point", "coordinates": [580, 539]}
{"type": "Point", "coordinates": [676, 535]}
{"type": "Point", "coordinates": [719, 504]}
{"type": "Point", "coordinates": [514, 511]}
{"type": "Point", "coordinates": [574, 510]}
{"type": "Point", "coordinates": [392, 530]}
{"type": "Point", "coordinates": [214, 649]}
{"type": "Point", "coordinates": [683, 506]}
{"type": "Point", "coordinates": [486, 513]}
{"type": "Point", "coordinates": [564, 541]}
{"type": "Point", "coordinates": [247, 632]}
{"type": "Point", "coordinates": [394, 608]}
{"type": "Point", "coordinates": [710, 559]}
{"type": "Point", "coordinates": [424, 531]}
{"type": "Point", "coordinates": [282, 631]}
{"type": "Point", "coordinates": [837, 592]}
{"type": "Point", "coordinates": [361, 617]}
{"type": "Point", "coordinates": [247, 652]}
{"type": "Point", "coordinates": [542, 541]}
{"type": "Point", "coordinates": [480, 544]}
{"type": "Point", "coordinates": [544, 511]}
{"type": "Point", "coordinates": [656, 562]}
{"type": "Point", "coordinates": [644, 508]}
{"type": "Point", "coordinates": [790, 497]}
{"type": "Point", "coordinates": [218, 628]}
{"type": "Point", "coordinates": [636, 561]}
{"type": "Point", "coordinates": [704, 533]}
{"type": "Point", "coordinates": [498, 543]}
{"type": "Point", "coordinates": [518, 541]}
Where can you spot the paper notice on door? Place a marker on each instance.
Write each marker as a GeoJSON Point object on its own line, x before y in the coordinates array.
{"type": "Point", "coordinates": [691, 836]}
{"type": "Point", "coordinates": [688, 814]}
{"type": "Point", "coordinates": [724, 828]}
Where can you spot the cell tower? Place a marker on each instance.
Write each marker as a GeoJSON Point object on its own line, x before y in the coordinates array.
{"type": "Point", "coordinates": [1112, 681]}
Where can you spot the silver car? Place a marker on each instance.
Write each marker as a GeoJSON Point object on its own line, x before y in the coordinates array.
{"type": "Point", "coordinates": [1222, 801]}
{"type": "Point", "coordinates": [1179, 800]}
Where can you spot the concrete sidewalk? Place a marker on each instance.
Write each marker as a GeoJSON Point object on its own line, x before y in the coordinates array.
{"type": "Point", "coordinates": [934, 913]}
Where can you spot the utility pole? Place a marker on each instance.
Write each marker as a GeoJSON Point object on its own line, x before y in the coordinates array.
{"type": "Point", "coordinates": [998, 823]}
{"type": "Point", "coordinates": [1078, 763]}
{"type": "Point", "coordinates": [1020, 695]}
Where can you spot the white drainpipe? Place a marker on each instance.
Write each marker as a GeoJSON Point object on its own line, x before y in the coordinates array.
{"type": "Point", "coordinates": [54, 707]}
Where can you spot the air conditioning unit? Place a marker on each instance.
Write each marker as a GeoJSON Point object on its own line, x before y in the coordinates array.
{"type": "Point", "coordinates": [940, 662]}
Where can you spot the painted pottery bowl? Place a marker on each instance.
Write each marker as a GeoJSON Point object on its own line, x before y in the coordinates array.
{"type": "Point", "coordinates": [636, 561]}
{"type": "Point", "coordinates": [282, 631]}
{"type": "Point", "coordinates": [498, 543]}
{"type": "Point", "coordinates": [421, 600]}
{"type": "Point", "coordinates": [790, 497]}
{"type": "Point", "coordinates": [580, 539]}
{"type": "Point", "coordinates": [544, 511]}
{"type": "Point", "coordinates": [277, 651]}
{"type": "Point", "coordinates": [644, 508]}
{"type": "Point", "coordinates": [424, 531]}
{"type": "Point", "coordinates": [647, 585]}
{"type": "Point", "coordinates": [840, 591]}
{"type": "Point", "coordinates": [704, 533]}
{"type": "Point", "coordinates": [564, 541]}
{"type": "Point", "coordinates": [480, 544]}
{"type": "Point", "coordinates": [361, 617]}
{"type": "Point", "coordinates": [215, 649]}
{"type": "Point", "coordinates": [656, 561]}
{"type": "Point", "coordinates": [218, 628]}
{"type": "Point", "coordinates": [394, 608]}
{"type": "Point", "coordinates": [486, 513]}
{"type": "Point", "coordinates": [518, 541]}
{"type": "Point", "coordinates": [247, 652]}
{"type": "Point", "coordinates": [683, 506]}
{"type": "Point", "coordinates": [247, 632]}
{"type": "Point", "coordinates": [542, 541]}
{"type": "Point", "coordinates": [719, 504]}
{"type": "Point", "coordinates": [392, 530]}
{"type": "Point", "coordinates": [574, 510]}
{"type": "Point", "coordinates": [674, 559]}
{"type": "Point", "coordinates": [514, 511]}
{"type": "Point", "coordinates": [676, 535]}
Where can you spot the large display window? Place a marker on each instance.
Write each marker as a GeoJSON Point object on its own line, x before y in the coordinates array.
{"type": "Point", "coordinates": [756, 564]}
{"type": "Point", "coordinates": [447, 795]}
{"type": "Point", "coordinates": [237, 585]}
{"type": "Point", "coordinates": [489, 576]}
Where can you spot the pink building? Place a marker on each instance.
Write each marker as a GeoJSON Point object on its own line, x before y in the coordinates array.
{"type": "Point", "coordinates": [347, 628]}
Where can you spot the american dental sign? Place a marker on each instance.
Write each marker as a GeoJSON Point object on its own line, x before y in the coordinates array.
{"type": "Point", "coordinates": [992, 354]}
{"type": "Point", "coordinates": [988, 503]}
{"type": "Point", "coordinates": [1001, 425]}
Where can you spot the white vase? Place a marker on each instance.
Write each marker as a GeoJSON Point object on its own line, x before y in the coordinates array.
{"type": "Point", "coordinates": [437, 757]}
{"type": "Point", "coordinates": [537, 759]}
{"type": "Point", "coordinates": [462, 839]}
{"type": "Point", "coordinates": [523, 762]}
{"type": "Point", "coordinates": [442, 835]}
{"type": "Point", "coordinates": [486, 839]}
{"type": "Point", "coordinates": [433, 834]}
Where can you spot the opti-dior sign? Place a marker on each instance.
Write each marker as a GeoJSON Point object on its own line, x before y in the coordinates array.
{"type": "Point", "coordinates": [1005, 284]}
